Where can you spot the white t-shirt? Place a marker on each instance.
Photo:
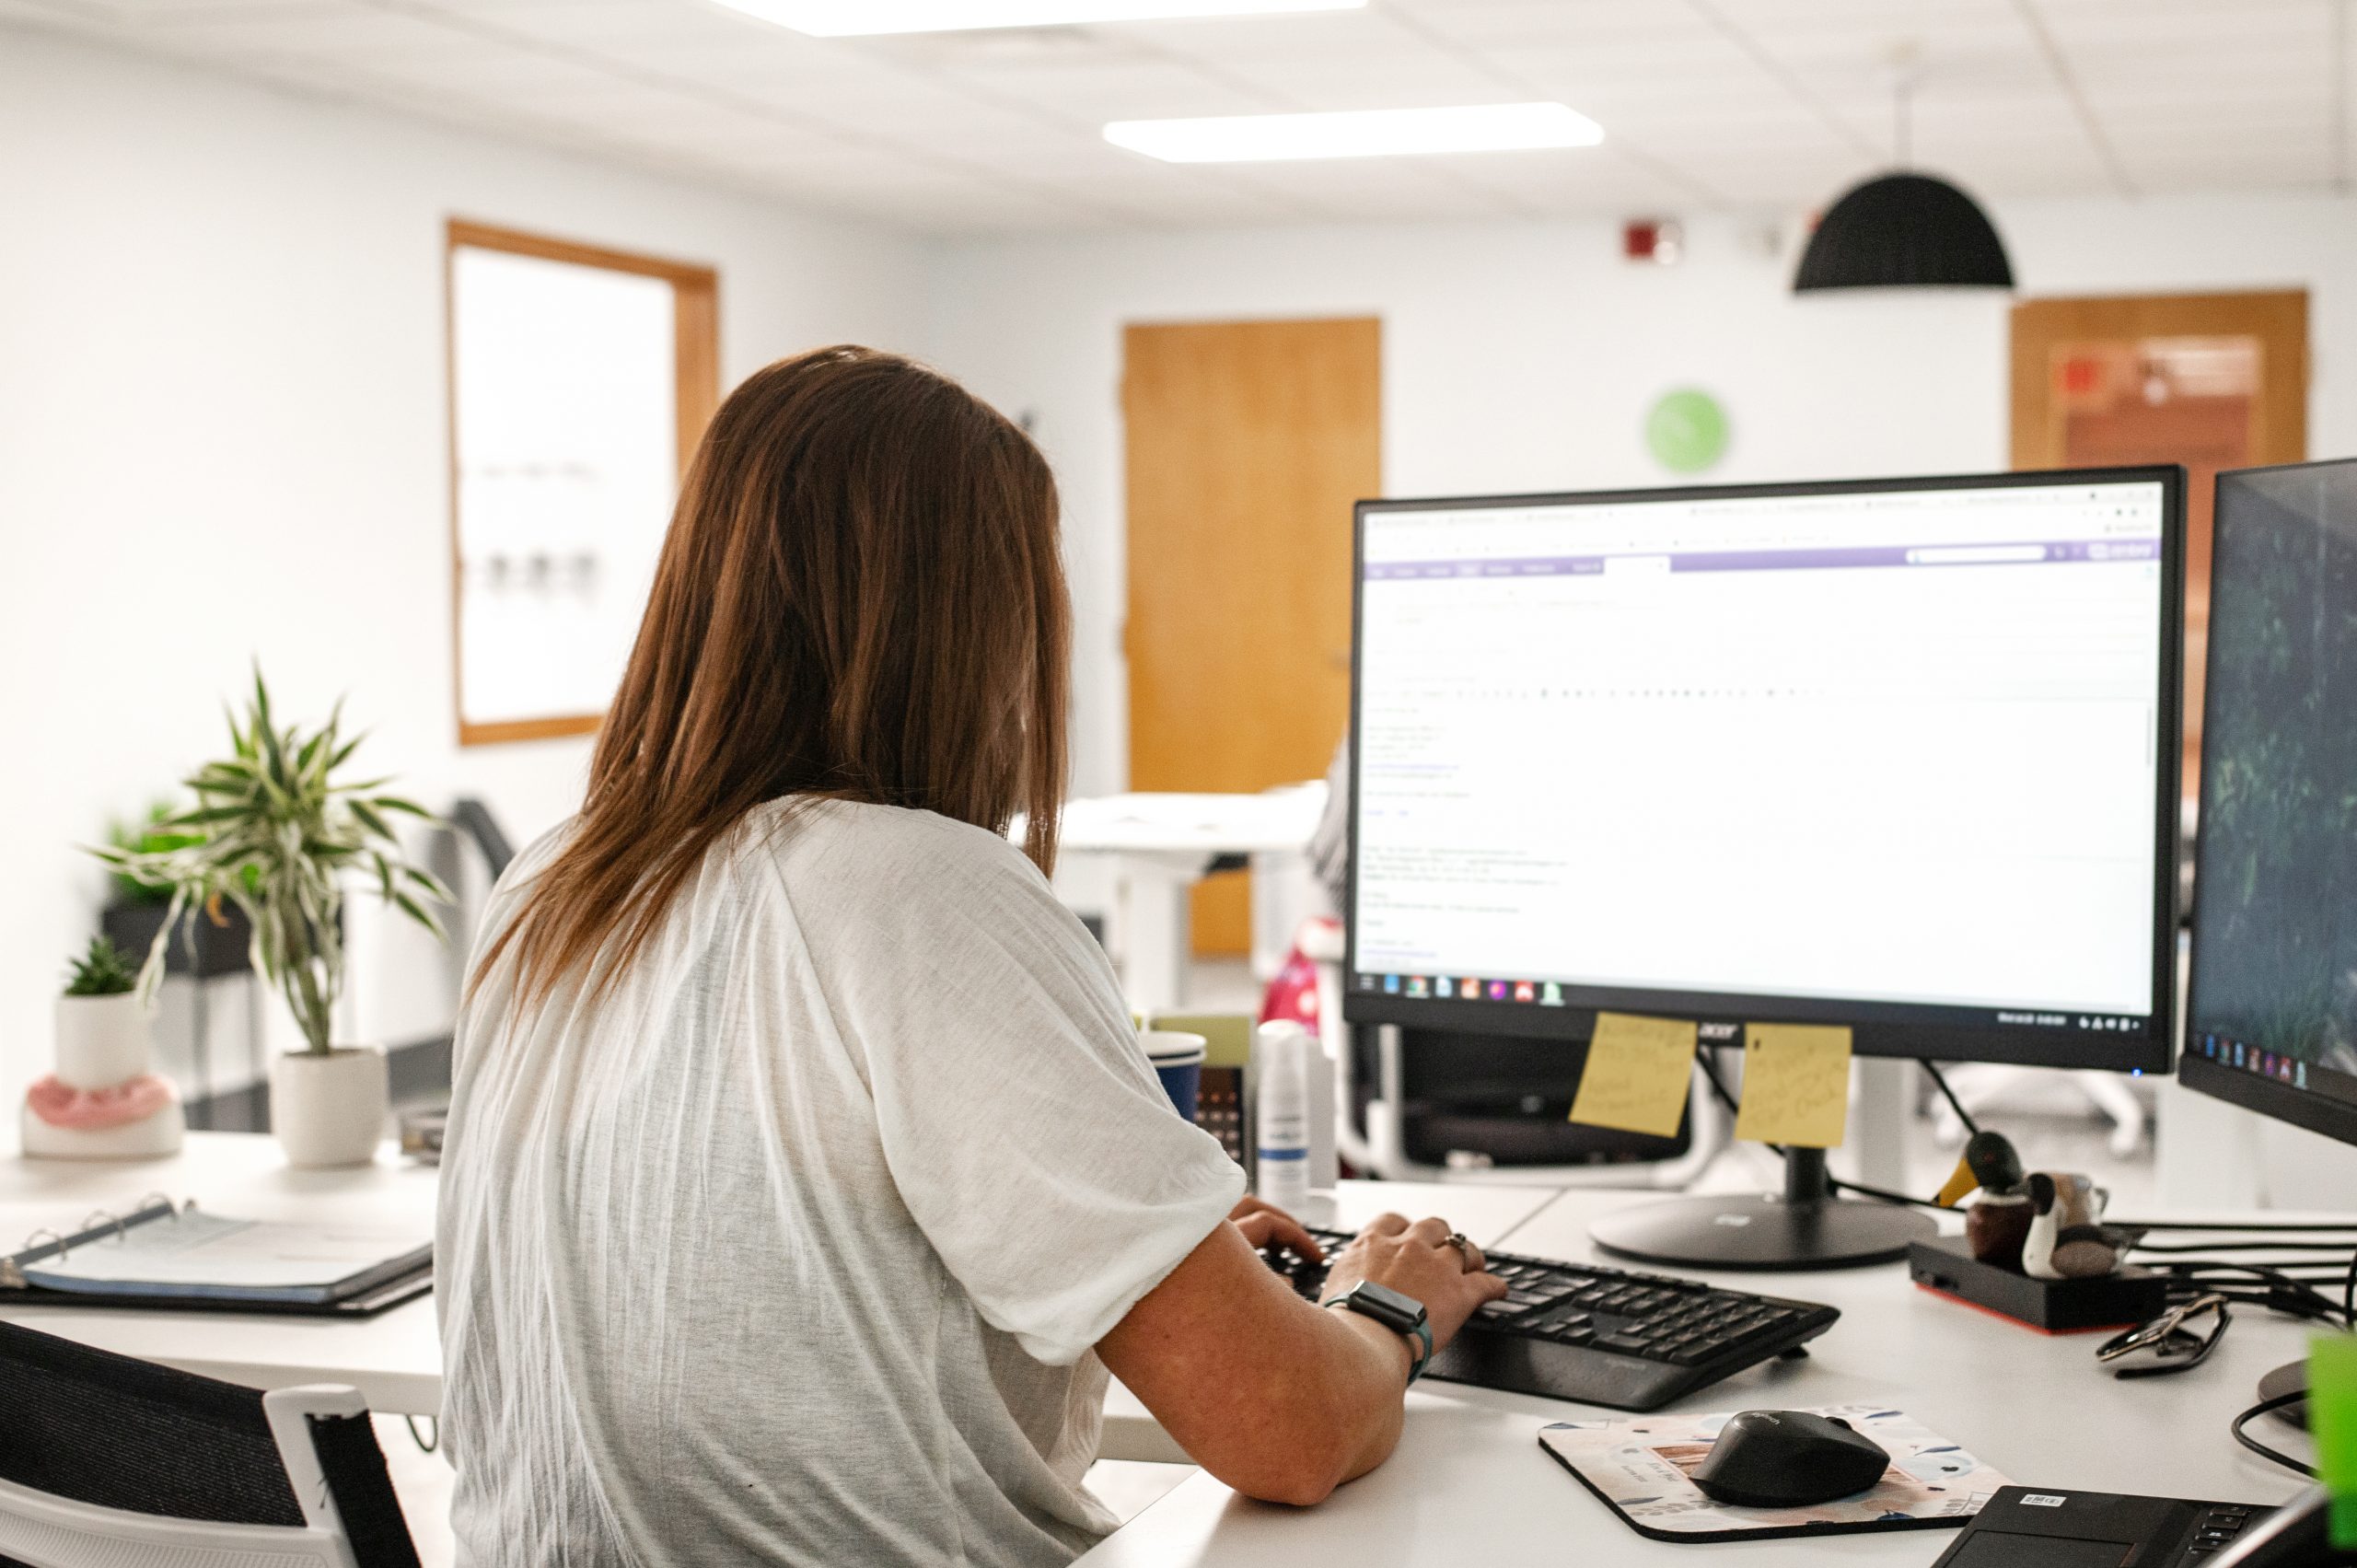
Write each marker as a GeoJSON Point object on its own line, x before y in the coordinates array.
{"type": "Point", "coordinates": [794, 1248]}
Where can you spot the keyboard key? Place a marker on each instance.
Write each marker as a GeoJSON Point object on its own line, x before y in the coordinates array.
{"type": "Point", "coordinates": [1627, 1344]}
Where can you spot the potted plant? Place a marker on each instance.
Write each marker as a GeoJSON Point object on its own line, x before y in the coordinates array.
{"type": "Point", "coordinates": [276, 835]}
{"type": "Point", "coordinates": [101, 1027]}
{"type": "Point", "coordinates": [101, 1103]}
{"type": "Point", "coordinates": [204, 948]}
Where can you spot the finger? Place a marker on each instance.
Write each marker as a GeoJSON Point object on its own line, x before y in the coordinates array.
{"type": "Point", "coordinates": [1247, 1205]}
{"type": "Point", "coordinates": [1432, 1230]}
{"type": "Point", "coordinates": [1475, 1262]}
{"type": "Point", "coordinates": [1386, 1224]}
{"type": "Point", "coordinates": [1290, 1232]}
{"type": "Point", "coordinates": [1258, 1229]}
{"type": "Point", "coordinates": [1491, 1287]}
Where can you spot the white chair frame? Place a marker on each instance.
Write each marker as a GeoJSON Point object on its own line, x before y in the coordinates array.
{"type": "Point", "coordinates": [47, 1531]}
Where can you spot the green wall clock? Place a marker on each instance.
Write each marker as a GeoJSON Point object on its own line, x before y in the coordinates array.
{"type": "Point", "coordinates": [1687, 430]}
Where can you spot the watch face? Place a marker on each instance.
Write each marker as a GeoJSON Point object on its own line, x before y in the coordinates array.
{"type": "Point", "coordinates": [1391, 1310]}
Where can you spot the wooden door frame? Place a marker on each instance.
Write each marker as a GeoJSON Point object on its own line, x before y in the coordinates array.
{"type": "Point", "coordinates": [696, 360]}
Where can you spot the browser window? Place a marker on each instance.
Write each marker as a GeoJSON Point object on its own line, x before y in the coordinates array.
{"type": "Point", "coordinates": [1894, 746]}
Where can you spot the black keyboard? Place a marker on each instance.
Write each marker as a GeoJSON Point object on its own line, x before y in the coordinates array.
{"type": "Point", "coordinates": [1600, 1336]}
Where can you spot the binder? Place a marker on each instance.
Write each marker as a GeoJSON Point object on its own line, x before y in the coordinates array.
{"type": "Point", "coordinates": [162, 1255]}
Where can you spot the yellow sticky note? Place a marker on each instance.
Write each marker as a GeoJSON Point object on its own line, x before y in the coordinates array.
{"type": "Point", "coordinates": [1637, 1074]}
{"type": "Point", "coordinates": [1796, 1085]}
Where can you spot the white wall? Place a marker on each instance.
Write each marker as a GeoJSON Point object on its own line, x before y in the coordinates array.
{"type": "Point", "coordinates": [222, 411]}
{"type": "Point", "coordinates": [1524, 355]}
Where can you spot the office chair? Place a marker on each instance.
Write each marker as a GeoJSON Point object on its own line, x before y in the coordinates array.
{"type": "Point", "coordinates": [108, 1462]}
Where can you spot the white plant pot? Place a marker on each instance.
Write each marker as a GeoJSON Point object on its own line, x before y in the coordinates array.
{"type": "Point", "coordinates": [331, 1109]}
{"type": "Point", "coordinates": [151, 1137]}
{"type": "Point", "coordinates": [101, 1040]}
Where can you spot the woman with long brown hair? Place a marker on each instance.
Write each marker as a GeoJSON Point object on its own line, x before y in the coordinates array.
{"type": "Point", "coordinates": [804, 1176]}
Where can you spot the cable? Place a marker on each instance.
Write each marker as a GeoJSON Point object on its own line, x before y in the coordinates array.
{"type": "Point", "coordinates": [1880, 1196]}
{"type": "Point", "coordinates": [2265, 1407]}
{"type": "Point", "coordinates": [1948, 1094]}
{"type": "Point", "coordinates": [1703, 1059]}
{"type": "Point", "coordinates": [2262, 1227]}
{"type": "Point", "coordinates": [425, 1443]}
{"type": "Point", "coordinates": [2334, 1247]}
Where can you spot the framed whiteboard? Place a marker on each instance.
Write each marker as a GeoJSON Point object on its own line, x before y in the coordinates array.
{"type": "Point", "coordinates": [580, 380]}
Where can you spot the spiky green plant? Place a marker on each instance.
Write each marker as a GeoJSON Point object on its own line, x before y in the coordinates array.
{"type": "Point", "coordinates": [104, 970]}
{"type": "Point", "coordinates": [146, 835]}
{"type": "Point", "coordinates": [275, 835]}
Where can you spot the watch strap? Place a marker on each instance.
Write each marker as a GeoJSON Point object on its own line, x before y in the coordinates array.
{"type": "Point", "coordinates": [1420, 1331]}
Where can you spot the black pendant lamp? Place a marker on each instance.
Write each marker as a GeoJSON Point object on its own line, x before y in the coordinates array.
{"type": "Point", "coordinates": [1904, 230]}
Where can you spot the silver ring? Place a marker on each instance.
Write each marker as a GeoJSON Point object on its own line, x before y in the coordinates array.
{"type": "Point", "coordinates": [1464, 1246]}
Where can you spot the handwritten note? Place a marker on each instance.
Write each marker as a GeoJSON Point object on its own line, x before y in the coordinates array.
{"type": "Point", "coordinates": [1796, 1085]}
{"type": "Point", "coordinates": [1638, 1070]}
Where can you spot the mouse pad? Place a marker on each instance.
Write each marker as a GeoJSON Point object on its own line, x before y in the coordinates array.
{"type": "Point", "coordinates": [1639, 1466]}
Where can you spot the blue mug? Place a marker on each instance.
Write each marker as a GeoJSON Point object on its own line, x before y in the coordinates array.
{"type": "Point", "coordinates": [1179, 1062]}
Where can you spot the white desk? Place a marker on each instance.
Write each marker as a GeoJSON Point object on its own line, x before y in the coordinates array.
{"type": "Point", "coordinates": [1470, 1483]}
{"type": "Point", "coordinates": [1163, 844]}
{"type": "Point", "coordinates": [1469, 1480]}
{"type": "Point", "coordinates": [394, 1358]}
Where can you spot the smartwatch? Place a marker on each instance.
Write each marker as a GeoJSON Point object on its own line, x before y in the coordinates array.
{"type": "Point", "coordinates": [1401, 1313]}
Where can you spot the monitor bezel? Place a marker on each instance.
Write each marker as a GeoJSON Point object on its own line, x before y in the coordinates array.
{"type": "Point", "coordinates": [1920, 1036]}
{"type": "Point", "coordinates": [2305, 1108]}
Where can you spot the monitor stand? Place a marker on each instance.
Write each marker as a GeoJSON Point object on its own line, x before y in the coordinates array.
{"type": "Point", "coordinates": [2292, 1377]}
{"type": "Point", "coordinates": [1804, 1227]}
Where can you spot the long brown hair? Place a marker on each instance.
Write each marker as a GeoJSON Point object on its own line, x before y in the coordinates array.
{"type": "Point", "coordinates": [860, 597]}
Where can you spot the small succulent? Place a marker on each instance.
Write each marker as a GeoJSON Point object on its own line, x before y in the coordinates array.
{"type": "Point", "coordinates": [104, 970]}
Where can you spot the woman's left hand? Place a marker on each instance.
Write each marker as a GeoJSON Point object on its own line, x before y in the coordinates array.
{"type": "Point", "coordinates": [1264, 1225]}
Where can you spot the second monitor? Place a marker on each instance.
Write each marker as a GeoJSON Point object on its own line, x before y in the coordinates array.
{"type": "Point", "coordinates": [1898, 755]}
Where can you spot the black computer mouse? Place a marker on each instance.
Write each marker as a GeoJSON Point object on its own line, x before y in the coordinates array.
{"type": "Point", "coordinates": [1788, 1459]}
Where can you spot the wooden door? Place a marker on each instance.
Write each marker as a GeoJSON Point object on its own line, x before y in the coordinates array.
{"type": "Point", "coordinates": [2210, 380]}
{"type": "Point", "coordinates": [1249, 442]}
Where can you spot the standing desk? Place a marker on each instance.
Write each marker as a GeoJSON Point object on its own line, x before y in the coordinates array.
{"type": "Point", "coordinates": [1163, 844]}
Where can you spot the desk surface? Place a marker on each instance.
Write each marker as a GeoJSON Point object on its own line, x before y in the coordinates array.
{"type": "Point", "coordinates": [1468, 1478]}
{"type": "Point", "coordinates": [394, 1358]}
{"type": "Point", "coordinates": [1469, 1482]}
{"type": "Point", "coordinates": [1204, 824]}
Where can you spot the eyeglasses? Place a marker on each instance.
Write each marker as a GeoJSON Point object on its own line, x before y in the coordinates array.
{"type": "Point", "coordinates": [2174, 1341]}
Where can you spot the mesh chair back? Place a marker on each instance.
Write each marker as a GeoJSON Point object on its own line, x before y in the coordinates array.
{"type": "Point", "coordinates": [92, 1427]}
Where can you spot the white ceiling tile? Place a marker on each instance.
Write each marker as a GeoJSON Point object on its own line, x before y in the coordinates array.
{"type": "Point", "coordinates": [1742, 103]}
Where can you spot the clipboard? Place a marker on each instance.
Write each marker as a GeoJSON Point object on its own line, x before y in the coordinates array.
{"type": "Point", "coordinates": [1638, 1467]}
{"type": "Point", "coordinates": [160, 1255]}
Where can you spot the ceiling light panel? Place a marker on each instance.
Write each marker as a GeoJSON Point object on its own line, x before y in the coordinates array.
{"type": "Point", "coordinates": [1380, 132]}
{"type": "Point", "coordinates": [862, 19]}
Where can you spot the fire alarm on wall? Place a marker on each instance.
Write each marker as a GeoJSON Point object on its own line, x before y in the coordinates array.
{"type": "Point", "coordinates": [1658, 240]}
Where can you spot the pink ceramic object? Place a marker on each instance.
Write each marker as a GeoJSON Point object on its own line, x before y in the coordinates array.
{"type": "Point", "coordinates": [59, 1104]}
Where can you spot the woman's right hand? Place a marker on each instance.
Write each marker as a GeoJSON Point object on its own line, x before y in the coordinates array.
{"type": "Point", "coordinates": [1419, 1262]}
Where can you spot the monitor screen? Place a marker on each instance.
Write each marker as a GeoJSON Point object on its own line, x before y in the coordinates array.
{"type": "Point", "coordinates": [1898, 755]}
{"type": "Point", "coordinates": [2271, 1013]}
